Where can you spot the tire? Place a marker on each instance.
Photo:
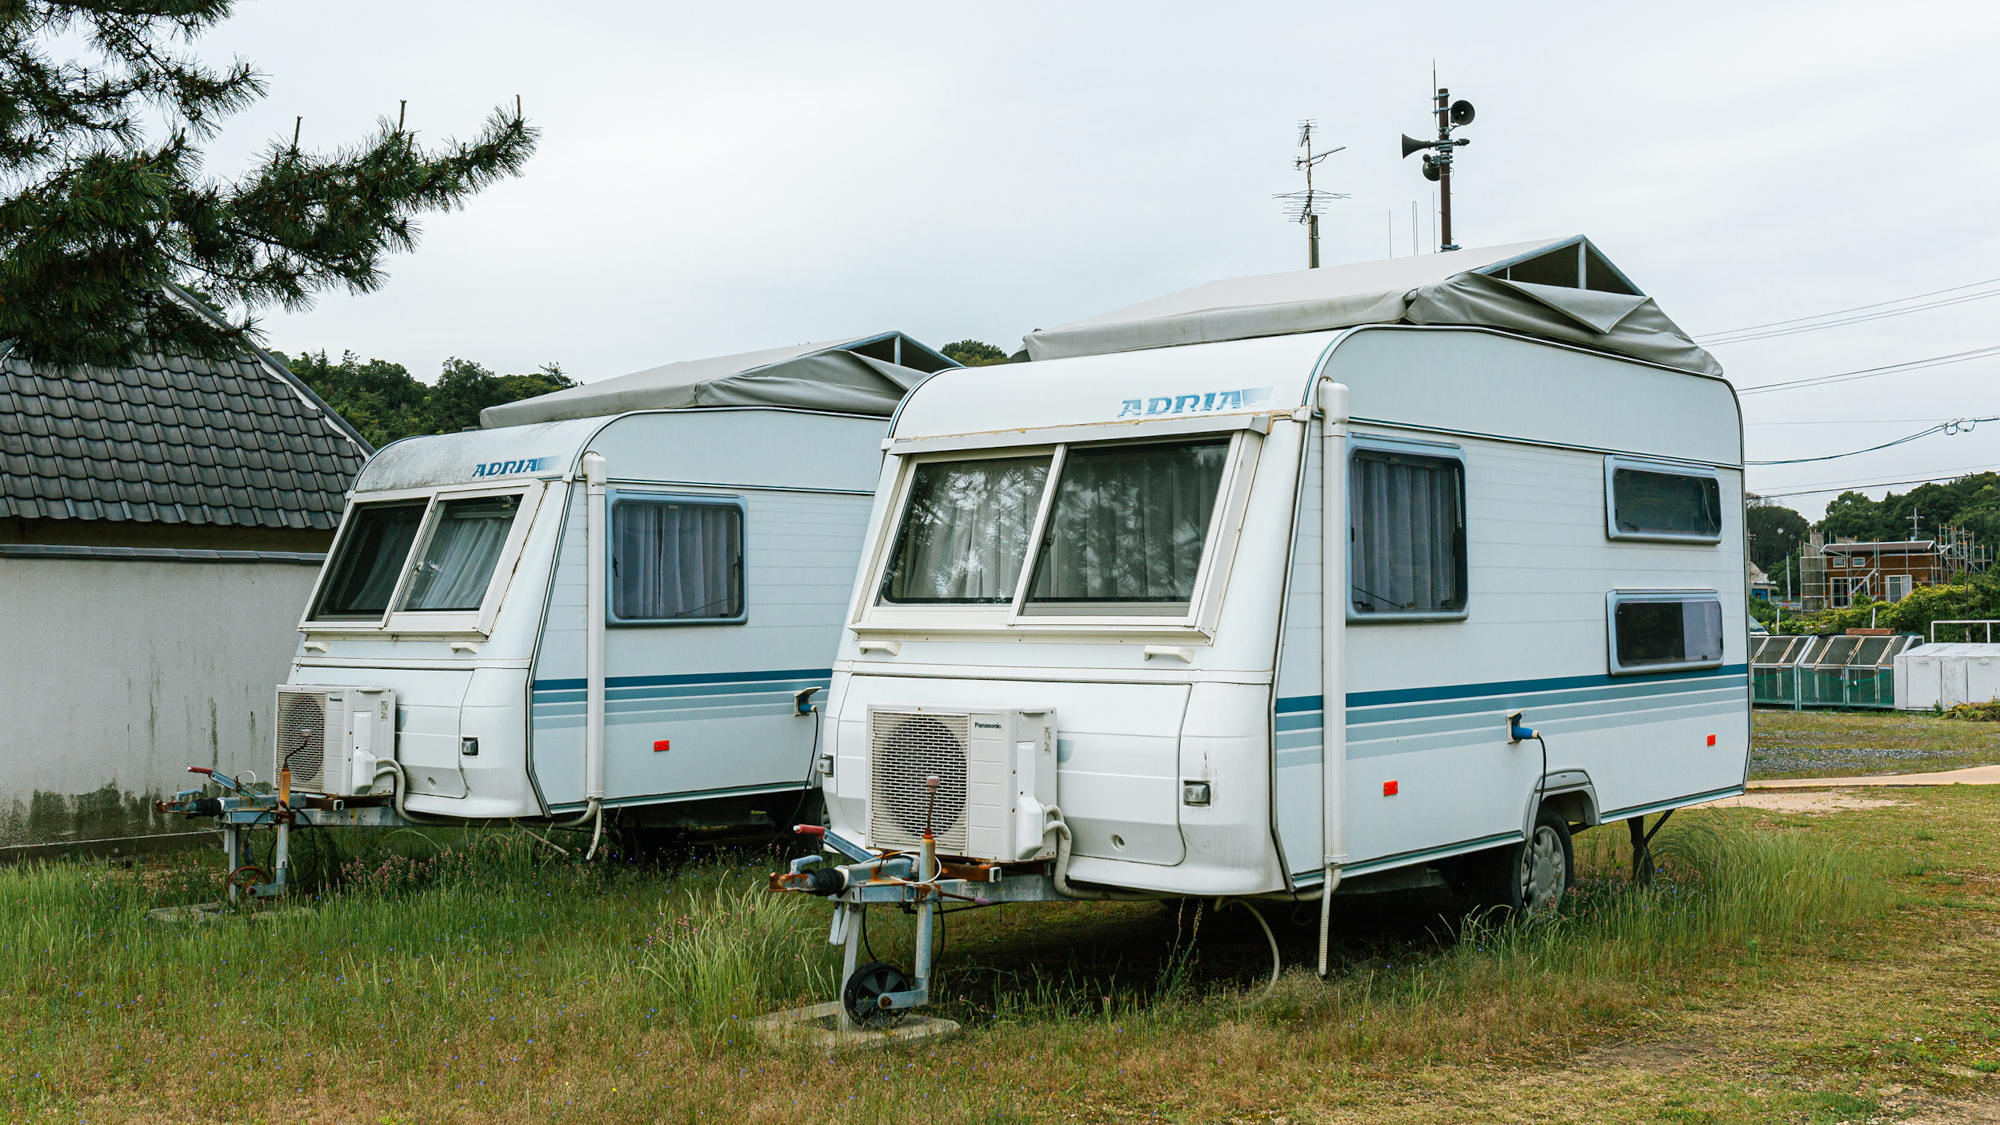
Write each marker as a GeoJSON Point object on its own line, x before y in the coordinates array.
{"type": "Point", "coordinates": [1531, 878]}
{"type": "Point", "coordinates": [869, 982]}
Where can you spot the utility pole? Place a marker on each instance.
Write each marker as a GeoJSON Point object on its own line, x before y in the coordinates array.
{"type": "Point", "coordinates": [1305, 204]}
{"type": "Point", "coordinates": [1437, 164]}
{"type": "Point", "coordinates": [1913, 524]}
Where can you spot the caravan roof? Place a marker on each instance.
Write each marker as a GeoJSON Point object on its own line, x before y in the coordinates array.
{"type": "Point", "coordinates": [852, 375]}
{"type": "Point", "coordinates": [1563, 289]}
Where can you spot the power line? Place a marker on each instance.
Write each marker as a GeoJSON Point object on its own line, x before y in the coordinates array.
{"type": "Point", "coordinates": [1953, 427]}
{"type": "Point", "coordinates": [1872, 372]}
{"type": "Point", "coordinates": [1935, 299]}
{"type": "Point", "coordinates": [1846, 422]}
{"type": "Point", "coordinates": [1844, 486]}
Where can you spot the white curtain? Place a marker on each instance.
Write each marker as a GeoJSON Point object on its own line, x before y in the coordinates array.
{"type": "Point", "coordinates": [965, 530]}
{"type": "Point", "coordinates": [1406, 520]}
{"type": "Point", "coordinates": [676, 561]}
{"type": "Point", "coordinates": [457, 565]}
{"type": "Point", "coordinates": [1129, 523]}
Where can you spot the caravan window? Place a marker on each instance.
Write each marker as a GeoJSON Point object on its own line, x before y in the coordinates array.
{"type": "Point", "coordinates": [1665, 631]}
{"type": "Point", "coordinates": [1127, 528]}
{"type": "Point", "coordinates": [964, 531]}
{"type": "Point", "coordinates": [362, 576]}
{"type": "Point", "coordinates": [1646, 500]}
{"type": "Point", "coordinates": [676, 558]}
{"type": "Point", "coordinates": [1406, 513]}
{"type": "Point", "coordinates": [457, 564]}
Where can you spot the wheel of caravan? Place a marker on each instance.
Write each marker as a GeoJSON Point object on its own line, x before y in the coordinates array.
{"type": "Point", "coordinates": [1529, 879]}
{"type": "Point", "coordinates": [863, 992]}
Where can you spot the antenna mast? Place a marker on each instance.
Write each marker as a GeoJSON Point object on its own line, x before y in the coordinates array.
{"type": "Point", "coordinates": [1303, 206]}
{"type": "Point", "coordinates": [1437, 164]}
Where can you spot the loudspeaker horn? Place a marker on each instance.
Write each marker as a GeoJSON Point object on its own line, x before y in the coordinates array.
{"type": "Point", "coordinates": [1411, 144]}
{"type": "Point", "coordinates": [1461, 112]}
{"type": "Point", "coordinates": [1430, 168]}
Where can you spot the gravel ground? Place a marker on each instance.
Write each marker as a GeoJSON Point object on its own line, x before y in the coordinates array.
{"type": "Point", "coordinates": [1768, 760]}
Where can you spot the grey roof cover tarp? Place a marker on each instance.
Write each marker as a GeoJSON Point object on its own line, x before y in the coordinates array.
{"type": "Point", "coordinates": [821, 376]}
{"type": "Point", "coordinates": [1561, 289]}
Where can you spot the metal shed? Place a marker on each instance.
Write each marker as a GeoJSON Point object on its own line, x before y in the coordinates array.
{"type": "Point", "coordinates": [1845, 670]}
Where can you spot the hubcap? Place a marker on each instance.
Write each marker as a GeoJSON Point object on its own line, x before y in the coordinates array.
{"type": "Point", "coordinates": [1543, 872]}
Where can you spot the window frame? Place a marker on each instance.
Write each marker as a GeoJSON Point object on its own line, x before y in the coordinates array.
{"type": "Point", "coordinates": [1616, 461]}
{"type": "Point", "coordinates": [627, 494]}
{"type": "Point", "coordinates": [1359, 444]}
{"type": "Point", "coordinates": [1616, 598]}
{"type": "Point", "coordinates": [394, 619]}
{"type": "Point", "coordinates": [872, 614]}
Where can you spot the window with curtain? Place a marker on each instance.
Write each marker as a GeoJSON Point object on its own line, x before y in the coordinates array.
{"type": "Point", "coordinates": [1656, 501]}
{"type": "Point", "coordinates": [1407, 534]}
{"type": "Point", "coordinates": [362, 575]}
{"type": "Point", "coordinates": [674, 559]}
{"type": "Point", "coordinates": [456, 565]}
{"type": "Point", "coordinates": [1127, 529]}
{"type": "Point", "coordinates": [1656, 633]}
{"type": "Point", "coordinates": [964, 533]}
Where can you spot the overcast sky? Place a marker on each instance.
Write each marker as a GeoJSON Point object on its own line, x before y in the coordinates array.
{"type": "Point", "coordinates": [716, 178]}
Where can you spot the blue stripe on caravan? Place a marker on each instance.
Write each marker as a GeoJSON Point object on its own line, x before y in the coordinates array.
{"type": "Point", "coordinates": [1502, 687]}
{"type": "Point", "coordinates": [702, 678]}
{"type": "Point", "coordinates": [692, 691]}
{"type": "Point", "coordinates": [1511, 687]}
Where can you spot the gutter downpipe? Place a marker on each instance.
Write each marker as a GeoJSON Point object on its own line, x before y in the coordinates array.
{"type": "Point", "coordinates": [1333, 651]}
{"type": "Point", "coordinates": [593, 649]}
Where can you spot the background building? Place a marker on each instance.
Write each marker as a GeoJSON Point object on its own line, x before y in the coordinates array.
{"type": "Point", "coordinates": [160, 526]}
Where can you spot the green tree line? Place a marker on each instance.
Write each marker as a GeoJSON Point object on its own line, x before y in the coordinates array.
{"type": "Point", "coordinates": [385, 402]}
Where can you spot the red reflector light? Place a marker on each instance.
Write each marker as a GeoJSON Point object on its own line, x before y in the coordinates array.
{"type": "Point", "coordinates": [662, 745]}
{"type": "Point", "coordinates": [1388, 789]}
{"type": "Point", "coordinates": [1711, 740]}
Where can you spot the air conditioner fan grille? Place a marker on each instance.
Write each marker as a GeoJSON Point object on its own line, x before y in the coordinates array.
{"type": "Point", "coordinates": [301, 739]}
{"type": "Point", "coordinates": [905, 748]}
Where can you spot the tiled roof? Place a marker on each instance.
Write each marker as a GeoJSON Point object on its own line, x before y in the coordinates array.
{"type": "Point", "coordinates": [168, 439]}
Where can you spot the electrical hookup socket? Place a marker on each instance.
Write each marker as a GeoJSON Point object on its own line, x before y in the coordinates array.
{"type": "Point", "coordinates": [1517, 729]}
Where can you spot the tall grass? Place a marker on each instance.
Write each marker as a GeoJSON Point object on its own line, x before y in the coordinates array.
{"type": "Point", "coordinates": [486, 970]}
{"type": "Point", "coordinates": [731, 952]}
{"type": "Point", "coordinates": [1725, 899]}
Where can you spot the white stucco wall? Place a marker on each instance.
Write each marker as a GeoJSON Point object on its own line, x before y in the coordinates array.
{"type": "Point", "coordinates": [120, 673]}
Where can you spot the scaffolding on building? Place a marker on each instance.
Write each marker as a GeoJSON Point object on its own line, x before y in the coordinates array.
{"type": "Point", "coordinates": [1835, 575]}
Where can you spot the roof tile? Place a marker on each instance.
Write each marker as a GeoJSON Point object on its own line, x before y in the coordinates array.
{"type": "Point", "coordinates": [169, 439]}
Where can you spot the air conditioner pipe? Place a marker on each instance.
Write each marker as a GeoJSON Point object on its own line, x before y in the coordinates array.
{"type": "Point", "coordinates": [1334, 584]}
{"type": "Point", "coordinates": [1060, 876]}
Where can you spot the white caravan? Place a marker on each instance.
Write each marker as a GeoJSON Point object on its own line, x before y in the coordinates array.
{"type": "Point", "coordinates": [1088, 651]}
{"type": "Point", "coordinates": [619, 597]}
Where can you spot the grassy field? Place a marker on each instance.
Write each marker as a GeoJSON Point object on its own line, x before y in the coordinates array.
{"type": "Point", "coordinates": [1822, 968]}
{"type": "Point", "coordinates": [1848, 743]}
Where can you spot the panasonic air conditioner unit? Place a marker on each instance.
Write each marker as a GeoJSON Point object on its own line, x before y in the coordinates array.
{"type": "Point", "coordinates": [996, 774]}
{"type": "Point", "coordinates": [331, 737]}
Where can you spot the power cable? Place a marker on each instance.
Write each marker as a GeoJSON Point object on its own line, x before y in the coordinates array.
{"type": "Point", "coordinates": [1952, 428]}
{"type": "Point", "coordinates": [1860, 373]}
{"type": "Point", "coordinates": [1858, 314]}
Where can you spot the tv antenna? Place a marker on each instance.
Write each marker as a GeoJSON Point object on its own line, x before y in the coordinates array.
{"type": "Point", "coordinates": [1437, 164]}
{"type": "Point", "coordinates": [1303, 206]}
